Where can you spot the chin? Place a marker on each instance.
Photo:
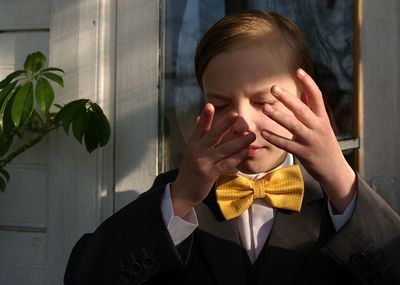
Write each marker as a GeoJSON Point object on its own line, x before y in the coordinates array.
{"type": "Point", "coordinates": [253, 166]}
{"type": "Point", "coordinates": [250, 167]}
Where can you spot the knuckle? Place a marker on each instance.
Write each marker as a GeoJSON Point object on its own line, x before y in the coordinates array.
{"type": "Point", "coordinates": [285, 144]}
{"type": "Point", "coordinates": [214, 137]}
{"type": "Point", "coordinates": [300, 111]}
{"type": "Point", "coordinates": [295, 127]}
{"type": "Point", "coordinates": [226, 164]}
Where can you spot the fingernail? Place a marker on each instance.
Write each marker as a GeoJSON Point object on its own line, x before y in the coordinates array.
{"type": "Point", "coordinates": [265, 133]}
{"type": "Point", "coordinates": [268, 109]}
{"type": "Point", "coordinates": [276, 89]}
{"type": "Point", "coordinates": [301, 72]}
{"type": "Point", "coordinates": [251, 136]}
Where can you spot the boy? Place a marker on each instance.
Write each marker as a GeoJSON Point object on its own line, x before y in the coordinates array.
{"type": "Point", "coordinates": [201, 225]}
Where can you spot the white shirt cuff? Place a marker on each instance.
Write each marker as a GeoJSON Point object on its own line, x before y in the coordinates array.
{"type": "Point", "coordinates": [339, 220]}
{"type": "Point", "coordinates": [178, 228]}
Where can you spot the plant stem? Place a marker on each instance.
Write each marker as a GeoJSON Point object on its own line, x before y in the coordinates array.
{"type": "Point", "coordinates": [29, 144]}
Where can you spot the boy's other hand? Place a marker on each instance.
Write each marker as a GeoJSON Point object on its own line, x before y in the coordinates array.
{"type": "Point", "coordinates": [206, 158]}
{"type": "Point", "coordinates": [314, 142]}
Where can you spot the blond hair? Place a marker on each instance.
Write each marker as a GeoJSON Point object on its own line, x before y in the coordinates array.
{"type": "Point", "coordinates": [247, 27]}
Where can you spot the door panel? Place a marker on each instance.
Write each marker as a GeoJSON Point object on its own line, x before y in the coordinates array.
{"type": "Point", "coordinates": [23, 206]}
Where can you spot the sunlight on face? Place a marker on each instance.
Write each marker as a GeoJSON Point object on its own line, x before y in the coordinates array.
{"type": "Point", "coordinates": [240, 80]}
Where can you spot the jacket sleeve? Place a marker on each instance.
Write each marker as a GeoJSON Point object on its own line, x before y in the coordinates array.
{"type": "Point", "coordinates": [131, 247]}
{"type": "Point", "coordinates": [369, 244]}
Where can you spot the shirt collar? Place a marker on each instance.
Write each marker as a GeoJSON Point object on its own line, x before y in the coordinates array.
{"type": "Point", "coordinates": [289, 160]}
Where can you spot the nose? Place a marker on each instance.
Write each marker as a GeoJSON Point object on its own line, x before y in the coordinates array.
{"type": "Point", "coordinates": [241, 126]}
{"type": "Point", "coordinates": [245, 123]}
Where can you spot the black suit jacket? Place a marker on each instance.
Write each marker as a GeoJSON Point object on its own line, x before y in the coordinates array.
{"type": "Point", "coordinates": [134, 246]}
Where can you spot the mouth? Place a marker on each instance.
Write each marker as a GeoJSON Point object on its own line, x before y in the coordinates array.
{"type": "Point", "coordinates": [253, 150]}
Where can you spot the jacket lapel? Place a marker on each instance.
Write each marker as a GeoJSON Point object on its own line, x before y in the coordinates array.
{"type": "Point", "coordinates": [293, 237]}
{"type": "Point", "coordinates": [220, 243]}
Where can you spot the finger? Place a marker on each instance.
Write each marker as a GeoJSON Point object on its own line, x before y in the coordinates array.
{"type": "Point", "coordinates": [232, 161]}
{"type": "Point", "coordinates": [290, 123]}
{"type": "Point", "coordinates": [204, 122]}
{"type": "Point", "coordinates": [311, 93]}
{"type": "Point", "coordinates": [229, 148]}
{"type": "Point", "coordinates": [219, 129]}
{"type": "Point", "coordinates": [301, 111]}
{"type": "Point", "coordinates": [282, 142]}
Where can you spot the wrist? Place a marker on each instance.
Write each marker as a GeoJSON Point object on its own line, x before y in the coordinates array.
{"type": "Point", "coordinates": [182, 204]}
{"type": "Point", "coordinates": [341, 189]}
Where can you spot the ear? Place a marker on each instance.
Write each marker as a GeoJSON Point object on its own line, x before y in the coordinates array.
{"type": "Point", "coordinates": [303, 95]}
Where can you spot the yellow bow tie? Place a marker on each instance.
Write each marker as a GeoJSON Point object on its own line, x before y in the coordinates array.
{"type": "Point", "coordinates": [282, 188]}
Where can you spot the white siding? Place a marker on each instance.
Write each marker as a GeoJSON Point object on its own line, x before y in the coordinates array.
{"type": "Point", "coordinates": [23, 207]}
{"type": "Point", "coordinates": [137, 98]}
{"type": "Point", "coordinates": [380, 108]}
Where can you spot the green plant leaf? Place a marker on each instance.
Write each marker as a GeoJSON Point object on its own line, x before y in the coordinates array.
{"type": "Point", "coordinates": [91, 139]}
{"type": "Point", "coordinates": [6, 124]}
{"type": "Point", "coordinates": [23, 104]}
{"type": "Point", "coordinates": [55, 77]}
{"type": "Point", "coordinates": [4, 93]}
{"type": "Point", "coordinates": [5, 144]}
{"type": "Point", "coordinates": [103, 126]}
{"type": "Point", "coordinates": [5, 174]}
{"type": "Point", "coordinates": [80, 123]}
{"type": "Point", "coordinates": [40, 61]}
{"type": "Point", "coordinates": [9, 127]}
{"type": "Point", "coordinates": [44, 95]}
{"type": "Point", "coordinates": [35, 122]}
{"type": "Point", "coordinates": [34, 62]}
{"type": "Point", "coordinates": [10, 77]}
{"type": "Point", "coordinates": [3, 184]}
{"type": "Point", "coordinates": [67, 113]}
{"type": "Point", "coordinates": [53, 69]}
{"type": "Point", "coordinates": [28, 62]}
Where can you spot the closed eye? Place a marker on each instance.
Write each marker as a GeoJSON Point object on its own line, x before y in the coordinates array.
{"type": "Point", "coordinates": [262, 103]}
{"type": "Point", "coordinates": [220, 107]}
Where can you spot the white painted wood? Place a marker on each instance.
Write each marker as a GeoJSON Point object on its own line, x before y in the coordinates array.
{"type": "Point", "coordinates": [22, 257]}
{"type": "Point", "coordinates": [23, 207]}
{"type": "Point", "coordinates": [106, 97]}
{"type": "Point", "coordinates": [14, 47]}
{"type": "Point", "coordinates": [37, 155]}
{"type": "Point", "coordinates": [24, 202]}
{"type": "Point", "coordinates": [31, 248]}
{"type": "Point", "coordinates": [24, 14]}
{"type": "Point", "coordinates": [380, 58]}
{"type": "Point", "coordinates": [81, 184]}
{"type": "Point", "coordinates": [137, 98]}
{"type": "Point", "coordinates": [11, 274]}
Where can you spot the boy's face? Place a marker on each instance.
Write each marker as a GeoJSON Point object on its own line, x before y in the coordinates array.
{"type": "Point", "coordinates": [239, 81]}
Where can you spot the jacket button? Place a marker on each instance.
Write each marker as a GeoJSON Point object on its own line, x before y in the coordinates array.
{"type": "Point", "coordinates": [358, 259]}
{"type": "Point", "coordinates": [125, 276]}
{"type": "Point", "coordinates": [148, 262]}
{"type": "Point", "coordinates": [135, 269]}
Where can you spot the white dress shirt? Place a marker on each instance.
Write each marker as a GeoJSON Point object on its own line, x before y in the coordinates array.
{"type": "Point", "coordinates": [254, 224]}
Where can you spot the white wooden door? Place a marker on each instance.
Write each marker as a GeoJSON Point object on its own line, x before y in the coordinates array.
{"type": "Point", "coordinates": [24, 28]}
{"type": "Point", "coordinates": [109, 51]}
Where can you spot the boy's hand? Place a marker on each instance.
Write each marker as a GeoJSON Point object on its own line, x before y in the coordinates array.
{"type": "Point", "coordinates": [314, 141]}
{"type": "Point", "coordinates": [205, 159]}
